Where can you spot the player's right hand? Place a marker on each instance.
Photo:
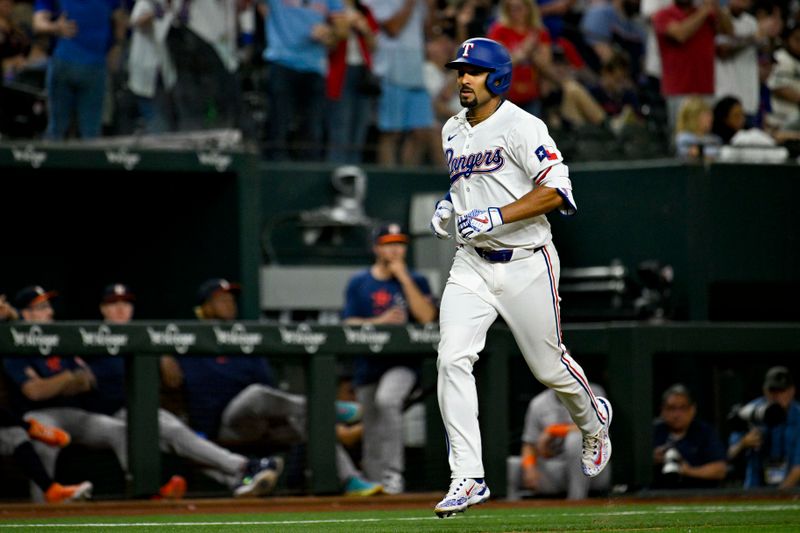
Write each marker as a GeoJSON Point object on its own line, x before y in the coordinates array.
{"type": "Point", "coordinates": [479, 221]}
{"type": "Point", "coordinates": [441, 216]}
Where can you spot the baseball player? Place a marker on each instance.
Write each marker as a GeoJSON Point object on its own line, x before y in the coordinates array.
{"type": "Point", "coordinates": [505, 175]}
{"type": "Point", "coordinates": [61, 391]}
{"type": "Point", "coordinates": [246, 477]}
{"type": "Point", "coordinates": [386, 293]}
{"type": "Point", "coordinates": [16, 436]}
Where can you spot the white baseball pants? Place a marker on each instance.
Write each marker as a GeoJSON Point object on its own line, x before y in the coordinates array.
{"type": "Point", "coordinates": [525, 293]}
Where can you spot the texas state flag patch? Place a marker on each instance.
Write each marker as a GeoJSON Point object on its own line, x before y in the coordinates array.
{"type": "Point", "coordinates": [542, 153]}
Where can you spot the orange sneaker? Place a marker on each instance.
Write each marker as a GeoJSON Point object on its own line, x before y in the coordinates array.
{"type": "Point", "coordinates": [48, 434]}
{"type": "Point", "coordinates": [174, 489]}
{"type": "Point", "coordinates": [58, 493]}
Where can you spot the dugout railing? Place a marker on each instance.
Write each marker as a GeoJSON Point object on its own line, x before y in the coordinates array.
{"type": "Point", "coordinates": [634, 352]}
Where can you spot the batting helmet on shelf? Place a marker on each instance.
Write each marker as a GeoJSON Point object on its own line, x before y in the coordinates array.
{"type": "Point", "coordinates": [486, 54]}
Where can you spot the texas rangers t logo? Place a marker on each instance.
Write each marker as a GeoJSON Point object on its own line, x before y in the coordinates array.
{"type": "Point", "coordinates": [467, 48]}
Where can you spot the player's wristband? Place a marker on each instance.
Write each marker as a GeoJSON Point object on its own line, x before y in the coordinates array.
{"type": "Point", "coordinates": [495, 216]}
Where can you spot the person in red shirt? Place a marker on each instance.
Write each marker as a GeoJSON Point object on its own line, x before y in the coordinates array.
{"type": "Point", "coordinates": [686, 43]}
{"type": "Point", "coordinates": [519, 27]}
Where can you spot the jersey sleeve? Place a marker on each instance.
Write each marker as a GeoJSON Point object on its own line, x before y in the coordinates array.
{"type": "Point", "coordinates": [422, 283]}
{"type": "Point", "coordinates": [351, 299]}
{"type": "Point", "coordinates": [536, 152]}
{"type": "Point", "coordinates": [15, 369]}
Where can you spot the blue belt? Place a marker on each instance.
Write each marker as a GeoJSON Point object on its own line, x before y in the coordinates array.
{"type": "Point", "coordinates": [500, 256]}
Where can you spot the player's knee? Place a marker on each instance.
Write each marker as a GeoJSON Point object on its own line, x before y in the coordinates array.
{"type": "Point", "coordinates": [11, 438]}
{"type": "Point", "coordinates": [455, 363]}
{"type": "Point", "coordinates": [388, 403]}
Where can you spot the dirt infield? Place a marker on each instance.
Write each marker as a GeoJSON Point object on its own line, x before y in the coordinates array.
{"type": "Point", "coordinates": [329, 503]}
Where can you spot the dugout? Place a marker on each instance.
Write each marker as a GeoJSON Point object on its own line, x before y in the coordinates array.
{"type": "Point", "coordinates": [163, 220]}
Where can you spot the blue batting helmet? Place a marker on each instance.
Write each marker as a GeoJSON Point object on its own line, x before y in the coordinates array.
{"type": "Point", "coordinates": [487, 54]}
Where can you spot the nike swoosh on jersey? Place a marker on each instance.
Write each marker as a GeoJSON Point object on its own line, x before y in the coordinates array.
{"type": "Point", "coordinates": [451, 137]}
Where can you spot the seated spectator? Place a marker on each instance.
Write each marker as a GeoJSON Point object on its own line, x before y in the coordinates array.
{"type": "Point", "coordinates": [687, 453]}
{"type": "Point", "coordinates": [232, 398]}
{"type": "Point", "coordinates": [611, 26]}
{"type": "Point", "coordinates": [770, 444]}
{"type": "Point", "coordinates": [245, 477]}
{"type": "Point", "coordinates": [76, 76]}
{"type": "Point", "coordinates": [549, 462]}
{"type": "Point", "coordinates": [615, 92]}
{"type": "Point", "coordinates": [568, 102]}
{"type": "Point", "coordinates": [15, 440]}
{"type": "Point", "coordinates": [729, 118]}
{"type": "Point", "coordinates": [693, 137]}
{"type": "Point", "coordinates": [747, 144]}
{"type": "Point", "coordinates": [784, 82]}
{"type": "Point", "coordinates": [386, 293]}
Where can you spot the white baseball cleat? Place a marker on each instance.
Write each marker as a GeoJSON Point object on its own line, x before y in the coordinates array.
{"type": "Point", "coordinates": [463, 493]}
{"type": "Point", "coordinates": [597, 447]}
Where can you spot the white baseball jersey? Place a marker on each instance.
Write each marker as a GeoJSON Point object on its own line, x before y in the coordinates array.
{"type": "Point", "coordinates": [492, 164]}
{"type": "Point", "coordinates": [497, 162]}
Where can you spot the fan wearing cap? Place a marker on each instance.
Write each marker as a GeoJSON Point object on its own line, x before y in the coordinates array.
{"type": "Point", "coordinates": [386, 293]}
{"type": "Point", "coordinates": [771, 448]}
{"type": "Point", "coordinates": [108, 397]}
{"type": "Point", "coordinates": [233, 398]}
{"type": "Point", "coordinates": [52, 390]}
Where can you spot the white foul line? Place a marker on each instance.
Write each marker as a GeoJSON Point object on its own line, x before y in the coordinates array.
{"type": "Point", "coordinates": [662, 511]}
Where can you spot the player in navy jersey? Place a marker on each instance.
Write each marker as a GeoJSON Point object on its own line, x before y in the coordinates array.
{"type": "Point", "coordinates": [386, 293]}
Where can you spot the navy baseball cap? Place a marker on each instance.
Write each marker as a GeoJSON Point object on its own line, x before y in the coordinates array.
{"type": "Point", "coordinates": [390, 233]}
{"type": "Point", "coordinates": [117, 292]}
{"type": "Point", "coordinates": [32, 295]}
{"type": "Point", "coordinates": [210, 286]}
{"type": "Point", "coordinates": [778, 378]}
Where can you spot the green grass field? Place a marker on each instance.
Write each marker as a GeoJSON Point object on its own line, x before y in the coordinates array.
{"type": "Point", "coordinates": [755, 516]}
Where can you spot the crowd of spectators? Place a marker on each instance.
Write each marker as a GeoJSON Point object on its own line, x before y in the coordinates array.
{"type": "Point", "coordinates": [362, 80]}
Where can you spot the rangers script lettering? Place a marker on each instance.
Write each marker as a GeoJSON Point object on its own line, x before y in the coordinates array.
{"type": "Point", "coordinates": [481, 162]}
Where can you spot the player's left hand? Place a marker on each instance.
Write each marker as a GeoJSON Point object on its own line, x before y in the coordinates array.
{"type": "Point", "coordinates": [479, 221]}
{"type": "Point", "coordinates": [441, 216]}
